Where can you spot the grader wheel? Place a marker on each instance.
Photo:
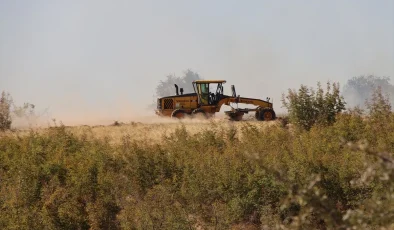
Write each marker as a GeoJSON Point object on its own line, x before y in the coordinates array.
{"type": "Point", "coordinates": [199, 114]}
{"type": "Point", "coordinates": [178, 113]}
{"type": "Point", "coordinates": [265, 114]}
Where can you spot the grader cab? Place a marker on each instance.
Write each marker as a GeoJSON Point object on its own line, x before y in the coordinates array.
{"type": "Point", "coordinates": [208, 98]}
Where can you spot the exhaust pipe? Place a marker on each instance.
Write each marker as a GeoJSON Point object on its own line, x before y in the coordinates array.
{"type": "Point", "coordinates": [176, 87]}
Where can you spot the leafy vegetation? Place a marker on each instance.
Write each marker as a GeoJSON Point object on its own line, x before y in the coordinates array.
{"type": "Point", "coordinates": [337, 176]}
{"type": "Point", "coordinates": [307, 107]}
{"type": "Point", "coordinates": [5, 111]}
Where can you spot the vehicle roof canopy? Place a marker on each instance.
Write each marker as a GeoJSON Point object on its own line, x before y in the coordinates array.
{"type": "Point", "coordinates": [209, 81]}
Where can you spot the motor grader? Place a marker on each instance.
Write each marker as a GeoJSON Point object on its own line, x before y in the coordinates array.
{"type": "Point", "coordinates": [205, 103]}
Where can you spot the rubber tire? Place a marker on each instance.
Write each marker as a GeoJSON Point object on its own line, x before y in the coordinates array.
{"type": "Point", "coordinates": [176, 112]}
{"type": "Point", "coordinates": [199, 111]}
{"type": "Point", "coordinates": [260, 114]}
{"type": "Point", "coordinates": [257, 115]}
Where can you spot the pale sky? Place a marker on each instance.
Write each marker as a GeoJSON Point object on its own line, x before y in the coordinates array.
{"type": "Point", "coordinates": [80, 57]}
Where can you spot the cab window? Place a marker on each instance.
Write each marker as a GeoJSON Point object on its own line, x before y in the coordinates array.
{"type": "Point", "coordinates": [203, 90]}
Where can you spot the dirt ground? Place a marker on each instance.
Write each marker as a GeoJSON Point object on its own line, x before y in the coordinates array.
{"type": "Point", "coordinates": [147, 128]}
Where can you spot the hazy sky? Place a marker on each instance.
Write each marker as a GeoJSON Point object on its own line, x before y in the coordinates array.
{"type": "Point", "coordinates": [106, 57]}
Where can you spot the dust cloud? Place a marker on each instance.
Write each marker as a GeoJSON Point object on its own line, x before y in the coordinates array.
{"type": "Point", "coordinates": [123, 115]}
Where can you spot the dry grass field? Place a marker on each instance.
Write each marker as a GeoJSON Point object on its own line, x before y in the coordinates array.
{"type": "Point", "coordinates": [150, 128]}
{"type": "Point", "coordinates": [156, 130]}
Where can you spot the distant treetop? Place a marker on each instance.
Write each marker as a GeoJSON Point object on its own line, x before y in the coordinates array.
{"type": "Point", "coordinates": [166, 87]}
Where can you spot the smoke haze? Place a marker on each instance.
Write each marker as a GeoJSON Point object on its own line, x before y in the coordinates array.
{"type": "Point", "coordinates": [88, 61]}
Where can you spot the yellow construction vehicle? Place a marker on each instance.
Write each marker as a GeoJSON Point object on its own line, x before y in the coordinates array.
{"type": "Point", "coordinates": [205, 103]}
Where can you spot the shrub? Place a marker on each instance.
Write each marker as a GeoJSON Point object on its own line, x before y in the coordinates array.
{"type": "Point", "coordinates": [380, 123]}
{"type": "Point", "coordinates": [308, 107]}
{"type": "Point", "coordinates": [5, 111]}
{"type": "Point", "coordinates": [379, 106]}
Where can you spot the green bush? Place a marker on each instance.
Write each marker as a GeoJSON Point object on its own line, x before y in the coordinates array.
{"type": "Point", "coordinates": [5, 111]}
{"type": "Point", "coordinates": [308, 107]}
